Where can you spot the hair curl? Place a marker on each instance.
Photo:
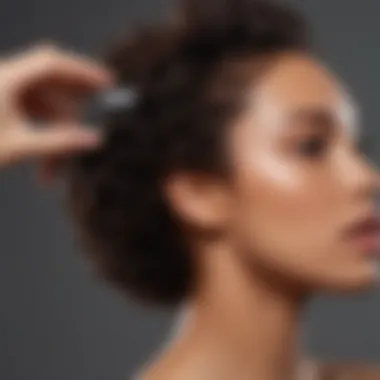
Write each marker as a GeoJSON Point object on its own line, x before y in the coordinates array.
{"type": "Point", "coordinates": [187, 94]}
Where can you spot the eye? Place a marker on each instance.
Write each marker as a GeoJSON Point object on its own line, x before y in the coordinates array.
{"type": "Point", "coordinates": [313, 147]}
{"type": "Point", "coordinates": [317, 128]}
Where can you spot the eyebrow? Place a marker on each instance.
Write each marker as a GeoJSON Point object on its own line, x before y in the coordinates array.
{"type": "Point", "coordinates": [324, 117]}
{"type": "Point", "coordinates": [318, 113]}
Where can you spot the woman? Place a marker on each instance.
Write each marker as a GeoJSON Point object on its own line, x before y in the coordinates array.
{"type": "Point", "coordinates": [234, 186]}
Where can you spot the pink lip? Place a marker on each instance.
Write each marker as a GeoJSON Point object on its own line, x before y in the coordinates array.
{"type": "Point", "coordinates": [365, 234]}
{"type": "Point", "coordinates": [367, 242]}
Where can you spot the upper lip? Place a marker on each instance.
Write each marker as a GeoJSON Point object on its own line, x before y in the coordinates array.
{"type": "Point", "coordinates": [369, 224]}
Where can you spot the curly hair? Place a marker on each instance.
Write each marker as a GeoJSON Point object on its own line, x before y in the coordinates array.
{"type": "Point", "coordinates": [188, 74]}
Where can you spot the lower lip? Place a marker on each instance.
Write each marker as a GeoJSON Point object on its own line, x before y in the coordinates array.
{"type": "Point", "coordinates": [367, 242]}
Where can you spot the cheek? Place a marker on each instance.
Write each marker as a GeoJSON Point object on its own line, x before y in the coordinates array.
{"type": "Point", "coordinates": [288, 217]}
{"type": "Point", "coordinates": [278, 192]}
{"type": "Point", "coordinates": [286, 210]}
{"type": "Point", "coordinates": [285, 219]}
{"type": "Point", "coordinates": [282, 196]}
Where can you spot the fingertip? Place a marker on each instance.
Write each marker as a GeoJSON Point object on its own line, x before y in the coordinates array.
{"type": "Point", "coordinates": [109, 77]}
{"type": "Point", "coordinates": [102, 75]}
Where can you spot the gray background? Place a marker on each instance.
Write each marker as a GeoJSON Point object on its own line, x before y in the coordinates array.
{"type": "Point", "coordinates": [56, 321]}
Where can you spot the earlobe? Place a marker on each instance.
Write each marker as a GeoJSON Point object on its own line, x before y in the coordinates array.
{"type": "Point", "coordinates": [198, 200]}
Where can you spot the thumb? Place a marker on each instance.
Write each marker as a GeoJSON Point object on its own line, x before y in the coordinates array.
{"type": "Point", "coordinates": [53, 141]}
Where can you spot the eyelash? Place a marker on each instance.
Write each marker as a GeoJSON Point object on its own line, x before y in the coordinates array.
{"type": "Point", "coordinates": [316, 146]}
{"type": "Point", "coordinates": [313, 147]}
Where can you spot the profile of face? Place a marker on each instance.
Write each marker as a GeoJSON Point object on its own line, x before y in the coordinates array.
{"type": "Point", "coordinates": [299, 180]}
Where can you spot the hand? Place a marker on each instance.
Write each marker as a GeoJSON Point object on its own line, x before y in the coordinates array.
{"type": "Point", "coordinates": [45, 82]}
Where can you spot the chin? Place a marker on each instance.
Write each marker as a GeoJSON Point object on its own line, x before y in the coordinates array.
{"type": "Point", "coordinates": [344, 272]}
{"type": "Point", "coordinates": [350, 282]}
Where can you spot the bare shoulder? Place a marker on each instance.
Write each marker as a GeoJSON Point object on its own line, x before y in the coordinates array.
{"type": "Point", "coordinates": [309, 370]}
{"type": "Point", "coordinates": [341, 371]}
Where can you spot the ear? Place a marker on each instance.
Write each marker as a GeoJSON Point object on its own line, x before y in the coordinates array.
{"type": "Point", "coordinates": [199, 200]}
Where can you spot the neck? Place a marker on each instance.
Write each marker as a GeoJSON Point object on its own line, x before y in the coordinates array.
{"type": "Point", "coordinates": [238, 325]}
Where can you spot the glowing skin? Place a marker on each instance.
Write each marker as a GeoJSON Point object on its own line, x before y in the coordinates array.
{"type": "Point", "coordinates": [301, 179]}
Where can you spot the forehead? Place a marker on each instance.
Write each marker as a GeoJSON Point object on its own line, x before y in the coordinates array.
{"type": "Point", "coordinates": [297, 81]}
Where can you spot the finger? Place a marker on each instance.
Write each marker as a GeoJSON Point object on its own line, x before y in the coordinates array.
{"type": "Point", "coordinates": [59, 107]}
{"type": "Point", "coordinates": [49, 167]}
{"type": "Point", "coordinates": [51, 63]}
{"type": "Point", "coordinates": [55, 141]}
{"type": "Point", "coordinates": [51, 104]}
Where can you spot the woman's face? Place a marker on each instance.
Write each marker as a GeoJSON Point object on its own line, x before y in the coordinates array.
{"type": "Point", "coordinates": [301, 181]}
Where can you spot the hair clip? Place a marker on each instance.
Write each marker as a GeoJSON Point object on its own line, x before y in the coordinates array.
{"type": "Point", "coordinates": [109, 102]}
{"type": "Point", "coordinates": [118, 98]}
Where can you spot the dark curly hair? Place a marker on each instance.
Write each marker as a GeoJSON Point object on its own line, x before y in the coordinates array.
{"type": "Point", "coordinates": [190, 79]}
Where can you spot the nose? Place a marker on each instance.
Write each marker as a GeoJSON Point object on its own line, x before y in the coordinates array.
{"type": "Point", "coordinates": [363, 176]}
